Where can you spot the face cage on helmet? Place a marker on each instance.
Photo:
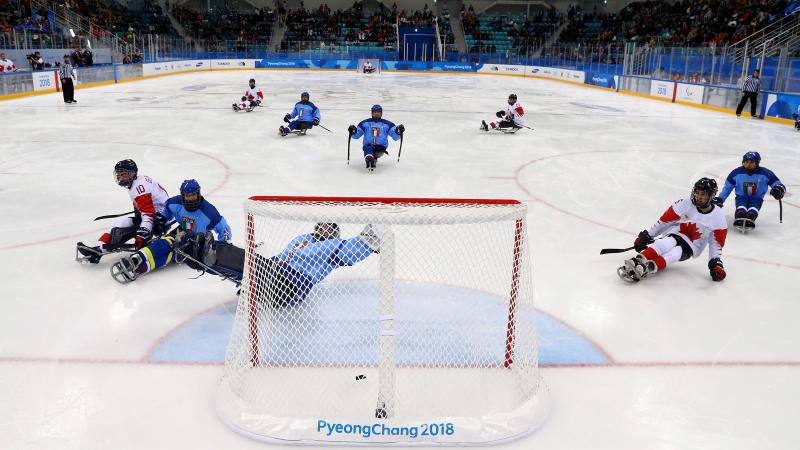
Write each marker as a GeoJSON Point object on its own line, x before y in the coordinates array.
{"type": "Point", "coordinates": [711, 194]}
{"type": "Point", "coordinates": [332, 231]}
{"type": "Point", "coordinates": [191, 205]}
{"type": "Point", "coordinates": [131, 177]}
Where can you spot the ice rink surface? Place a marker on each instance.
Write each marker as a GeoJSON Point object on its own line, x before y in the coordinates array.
{"type": "Point", "coordinates": [689, 363]}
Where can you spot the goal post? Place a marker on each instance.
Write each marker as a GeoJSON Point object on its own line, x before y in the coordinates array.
{"type": "Point", "coordinates": [364, 64]}
{"type": "Point", "coordinates": [384, 320]}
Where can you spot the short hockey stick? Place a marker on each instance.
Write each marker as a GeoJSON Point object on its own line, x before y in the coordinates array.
{"type": "Point", "coordinates": [780, 208]}
{"type": "Point", "coordinates": [207, 268]}
{"type": "Point", "coordinates": [329, 131]}
{"type": "Point", "coordinates": [615, 250]}
{"type": "Point", "coordinates": [401, 147]}
{"type": "Point", "coordinates": [111, 216]}
{"type": "Point", "coordinates": [349, 138]}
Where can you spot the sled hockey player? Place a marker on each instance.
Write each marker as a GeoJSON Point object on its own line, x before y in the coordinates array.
{"type": "Point", "coordinates": [512, 118]}
{"type": "Point", "coordinates": [195, 217]}
{"type": "Point", "coordinates": [307, 115]}
{"type": "Point", "coordinates": [681, 233]}
{"type": "Point", "coordinates": [148, 199]}
{"type": "Point", "coordinates": [796, 117]}
{"type": "Point", "coordinates": [368, 67]}
{"type": "Point", "coordinates": [750, 182]}
{"type": "Point", "coordinates": [376, 131]}
{"type": "Point", "coordinates": [308, 259]}
{"type": "Point", "coordinates": [252, 98]}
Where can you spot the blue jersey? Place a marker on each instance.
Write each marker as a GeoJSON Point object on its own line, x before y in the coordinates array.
{"type": "Point", "coordinates": [205, 218]}
{"type": "Point", "coordinates": [755, 184]}
{"type": "Point", "coordinates": [376, 132]}
{"type": "Point", "coordinates": [317, 259]}
{"type": "Point", "coordinates": [305, 112]}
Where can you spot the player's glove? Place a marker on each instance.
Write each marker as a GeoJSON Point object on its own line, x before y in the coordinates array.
{"type": "Point", "coordinates": [716, 269]}
{"type": "Point", "coordinates": [142, 236]}
{"type": "Point", "coordinates": [287, 118]}
{"type": "Point", "coordinates": [778, 192]}
{"type": "Point", "coordinates": [352, 129]}
{"type": "Point", "coordinates": [316, 121]}
{"type": "Point", "coordinates": [400, 129]}
{"type": "Point", "coordinates": [718, 201]}
{"type": "Point", "coordinates": [244, 98]}
{"type": "Point", "coordinates": [642, 241]}
{"type": "Point", "coordinates": [500, 114]}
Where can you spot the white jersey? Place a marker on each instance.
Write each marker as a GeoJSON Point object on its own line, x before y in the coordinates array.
{"type": "Point", "coordinates": [368, 66]}
{"type": "Point", "coordinates": [6, 65]}
{"type": "Point", "coordinates": [517, 114]}
{"type": "Point", "coordinates": [148, 198]}
{"type": "Point", "coordinates": [696, 228]}
{"type": "Point", "coordinates": [254, 93]}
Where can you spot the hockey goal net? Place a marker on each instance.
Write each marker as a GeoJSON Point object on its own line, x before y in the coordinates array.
{"type": "Point", "coordinates": [409, 320]}
{"type": "Point", "coordinates": [364, 65]}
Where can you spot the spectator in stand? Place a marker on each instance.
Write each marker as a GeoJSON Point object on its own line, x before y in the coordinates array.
{"type": "Point", "coordinates": [750, 89]}
{"type": "Point", "coordinates": [87, 57]}
{"type": "Point", "coordinates": [77, 57]}
{"type": "Point", "coordinates": [6, 65]}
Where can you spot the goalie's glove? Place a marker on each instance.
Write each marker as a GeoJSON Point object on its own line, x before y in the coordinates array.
{"type": "Point", "coordinates": [716, 269]}
{"type": "Point", "coordinates": [370, 236]}
{"type": "Point", "coordinates": [642, 241]}
{"type": "Point", "coordinates": [287, 118]}
{"type": "Point", "coordinates": [352, 129]}
{"type": "Point", "coordinates": [778, 192]}
{"type": "Point", "coordinates": [143, 235]}
{"type": "Point", "coordinates": [500, 114]}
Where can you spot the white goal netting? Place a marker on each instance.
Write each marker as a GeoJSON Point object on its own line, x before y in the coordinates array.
{"type": "Point", "coordinates": [409, 320]}
{"type": "Point", "coordinates": [369, 65]}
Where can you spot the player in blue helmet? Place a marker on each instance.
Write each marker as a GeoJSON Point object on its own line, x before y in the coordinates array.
{"type": "Point", "coordinates": [751, 183]}
{"type": "Point", "coordinates": [196, 219]}
{"type": "Point", "coordinates": [307, 116]}
{"type": "Point", "coordinates": [376, 131]}
{"type": "Point", "coordinates": [797, 119]}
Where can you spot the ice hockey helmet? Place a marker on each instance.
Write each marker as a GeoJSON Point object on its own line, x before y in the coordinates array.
{"type": "Point", "coordinates": [512, 97]}
{"type": "Point", "coordinates": [377, 108]}
{"type": "Point", "coordinates": [125, 166]}
{"type": "Point", "coordinates": [305, 94]}
{"type": "Point", "coordinates": [752, 156]}
{"type": "Point", "coordinates": [707, 185]}
{"type": "Point", "coordinates": [326, 230]}
{"type": "Point", "coordinates": [253, 80]}
{"type": "Point", "coordinates": [189, 187]}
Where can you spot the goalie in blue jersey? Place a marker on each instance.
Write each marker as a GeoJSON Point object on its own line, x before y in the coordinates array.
{"type": "Point", "coordinates": [376, 132]}
{"type": "Point", "coordinates": [289, 276]}
{"type": "Point", "coordinates": [304, 116]}
{"type": "Point", "coordinates": [195, 217]}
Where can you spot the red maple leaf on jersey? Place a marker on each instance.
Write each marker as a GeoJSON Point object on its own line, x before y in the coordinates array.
{"type": "Point", "coordinates": [690, 230]}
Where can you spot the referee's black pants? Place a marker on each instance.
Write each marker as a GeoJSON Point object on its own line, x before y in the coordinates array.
{"type": "Point", "coordinates": [753, 97]}
{"type": "Point", "coordinates": [69, 90]}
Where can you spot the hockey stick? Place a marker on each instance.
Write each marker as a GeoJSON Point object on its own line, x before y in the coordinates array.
{"type": "Point", "coordinates": [329, 131]}
{"type": "Point", "coordinates": [349, 138]}
{"type": "Point", "coordinates": [207, 268]}
{"type": "Point", "coordinates": [615, 250]}
{"type": "Point", "coordinates": [111, 216]}
{"type": "Point", "coordinates": [780, 209]}
{"type": "Point", "coordinates": [401, 147]}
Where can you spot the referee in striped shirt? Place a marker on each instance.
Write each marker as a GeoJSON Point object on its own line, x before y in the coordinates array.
{"type": "Point", "coordinates": [67, 75]}
{"type": "Point", "coordinates": [752, 85]}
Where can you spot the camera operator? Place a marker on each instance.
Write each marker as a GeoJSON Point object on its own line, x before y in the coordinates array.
{"type": "Point", "coordinates": [36, 61]}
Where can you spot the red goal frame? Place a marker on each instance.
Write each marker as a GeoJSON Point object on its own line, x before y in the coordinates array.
{"type": "Point", "coordinates": [514, 288]}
